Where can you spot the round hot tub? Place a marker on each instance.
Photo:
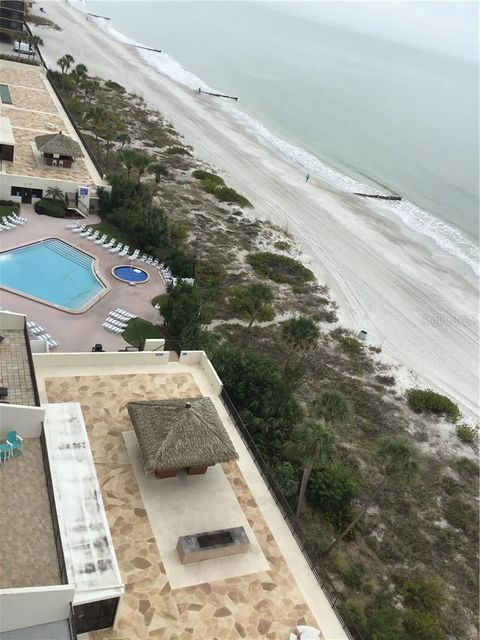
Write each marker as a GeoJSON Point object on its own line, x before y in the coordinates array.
{"type": "Point", "coordinates": [130, 274]}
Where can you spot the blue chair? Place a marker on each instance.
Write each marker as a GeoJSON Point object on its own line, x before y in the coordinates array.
{"type": "Point", "coordinates": [15, 442]}
{"type": "Point", "coordinates": [5, 452]}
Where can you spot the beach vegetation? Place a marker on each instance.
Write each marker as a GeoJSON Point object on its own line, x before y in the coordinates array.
{"type": "Point", "coordinates": [467, 434]}
{"type": "Point", "coordinates": [178, 230]}
{"type": "Point", "coordinates": [178, 151]}
{"type": "Point", "coordinates": [421, 625]}
{"type": "Point", "coordinates": [123, 138]}
{"type": "Point", "coordinates": [424, 592]}
{"type": "Point", "coordinates": [301, 333]}
{"type": "Point", "coordinates": [111, 84]}
{"type": "Point", "coordinates": [184, 312]}
{"type": "Point", "coordinates": [158, 170]}
{"type": "Point", "coordinates": [214, 184]}
{"type": "Point", "coordinates": [41, 21]}
{"type": "Point", "coordinates": [281, 269]}
{"type": "Point", "coordinates": [282, 245]}
{"type": "Point", "coordinates": [65, 62]}
{"type": "Point", "coordinates": [331, 492]}
{"type": "Point", "coordinates": [334, 406]}
{"type": "Point", "coordinates": [427, 400]}
{"type": "Point", "coordinates": [313, 445]}
{"type": "Point", "coordinates": [253, 301]}
{"type": "Point", "coordinates": [400, 464]}
{"type": "Point", "coordinates": [351, 345]}
{"type": "Point", "coordinates": [286, 478]}
{"type": "Point", "coordinates": [200, 174]}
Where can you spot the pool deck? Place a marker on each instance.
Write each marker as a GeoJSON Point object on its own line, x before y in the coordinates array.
{"type": "Point", "coordinates": [79, 332]}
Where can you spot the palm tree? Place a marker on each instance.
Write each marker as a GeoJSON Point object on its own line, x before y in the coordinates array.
{"type": "Point", "coordinates": [313, 445]}
{"type": "Point", "coordinates": [96, 115]}
{"type": "Point", "coordinates": [141, 162]}
{"type": "Point", "coordinates": [333, 406]}
{"type": "Point", "coordinates": [301, 333]}
{"type": "Point", "coordinates": [128, 157]}
{"type": "Point", "coordinates": [34, 42]}
{"type": "Point", "coordinates": [158, 171]}
{"type": "Point", "coordinates": [123, 138]}
{"type": "Point", "coordinates": [55, 193]}
{"type": "Point", "coordinates": [109, 128]}
{"type": "Point", "coordinates": [79, 74]}
{"type": "Point", "coordinates": [21, 37]}
{"type": "Point", "coordinates": [400, 462]}
{"type": "Point", "coordinates": [89, 89]}
{"type": "Point", "coordinates": [65, 62]}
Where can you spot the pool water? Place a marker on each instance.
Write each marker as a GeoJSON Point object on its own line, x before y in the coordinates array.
{"type": "Point", "coordinates": [52, 271]}
{"type": "Point", "coordinates": [130, 274]}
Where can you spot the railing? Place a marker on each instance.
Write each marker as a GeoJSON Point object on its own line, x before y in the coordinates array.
{"type": "Point", "coordinates": [53, 509]}
{"type": "Point", "coordinates": [71, 625]}
{"type": "Point", "coordinates": [65, 108]}
{"type": "Point", "coordinates": [31, 365]}
{"type": "Point", "coordinates": [311, 556]}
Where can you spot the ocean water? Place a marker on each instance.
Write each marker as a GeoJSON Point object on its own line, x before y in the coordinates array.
{"type": "Point", "coordinates": [379, 110]}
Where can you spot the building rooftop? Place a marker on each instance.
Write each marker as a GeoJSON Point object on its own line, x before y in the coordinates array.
{"type": "Point", "coordinates": [15, 372]}
{"type": "Point", "coordinates": [262, 594]}
{"type": "Point", "coordinates": [35, 110]}
{"type": "Point", "coordinates": [28, 556]}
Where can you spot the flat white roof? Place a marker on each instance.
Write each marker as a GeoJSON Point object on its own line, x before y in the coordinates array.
{"type": "Point", "coordinates": [90, 558]}
{"type": "Point", "coordinates": [6, 131]}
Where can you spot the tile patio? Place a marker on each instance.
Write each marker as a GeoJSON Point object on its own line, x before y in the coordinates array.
{"type": "Point", "coordinates": [260, 605]}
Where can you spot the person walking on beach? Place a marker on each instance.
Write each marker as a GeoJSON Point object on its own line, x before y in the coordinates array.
{"type": "Point", "coordinates": [307, 177]}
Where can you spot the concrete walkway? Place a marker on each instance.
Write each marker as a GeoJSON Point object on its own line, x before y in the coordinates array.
{"type": "Point", "coordinates": [79, 332]}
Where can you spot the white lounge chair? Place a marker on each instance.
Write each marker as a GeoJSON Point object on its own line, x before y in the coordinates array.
{"type": "Point", "coordinates": [124, 251]}
{"type": "Point", "coordinates": [15, 220]}
{"type": "Point", "coordinates": [109, 244]}
{"type": "Point", "coordinates": [94, 236]}
{"type": "Point", "coordinates": [102, 239]}
{"type": "Point", "coordinates": [88, 231]}
{"type": "Point", "coordinates": [117, 248]}
{"type": "Point", "coordinates": [80, 229]}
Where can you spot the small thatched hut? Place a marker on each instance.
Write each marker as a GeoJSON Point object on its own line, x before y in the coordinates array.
{"type": "Point", "coordinates": [58, 149]}
{"type": "Point", "coordinates": [180, 434]}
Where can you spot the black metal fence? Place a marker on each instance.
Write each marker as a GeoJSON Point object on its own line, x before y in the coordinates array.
{"type": "Point", "coordinates": [53, 509]}
{"type": "Point", "coordinates": [311, 556]}
{"type": "Point", "coordinates": [31, 365]}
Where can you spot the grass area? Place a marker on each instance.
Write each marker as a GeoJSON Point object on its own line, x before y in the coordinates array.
{"type": "Point", "coordinates": [6, 209]}
{"type": "Point", "coordinates": [139, 329]}
{"type": "Point", "coordinates": [159, 299]}
{"type": "Point", "coordinates": [111, 231]}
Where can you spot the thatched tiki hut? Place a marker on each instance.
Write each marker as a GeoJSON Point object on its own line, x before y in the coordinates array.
{"type": "Point", "coordinates": [58, 150]}
{"type": "Point", "coordinates": [180, 434]}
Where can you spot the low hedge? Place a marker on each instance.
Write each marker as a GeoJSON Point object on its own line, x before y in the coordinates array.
{"type": "Point", "coordinates": [427, 400]}
{"type": "Point", "coordinates": [50, 207]}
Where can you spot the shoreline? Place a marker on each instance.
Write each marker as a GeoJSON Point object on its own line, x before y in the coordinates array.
{"type": "Point", "coordinates": [415, 300]}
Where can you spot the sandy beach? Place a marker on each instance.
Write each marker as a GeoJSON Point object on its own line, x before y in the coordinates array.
{"type": "Point", "coordinates": [418, 303]}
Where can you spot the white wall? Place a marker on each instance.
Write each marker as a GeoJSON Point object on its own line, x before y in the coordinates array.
{"type": "Point", "coordinates": [7, 181]}
{"type": "Point", "coordinates": [39, 346]}
{"type": "Point", "coordinates": [9, 320]}
{"type": "Point", "coordinates": [191, 357]}
{"type": "Point", "coordinates": [210, 373]}
{"type": "Point", "coordinates": [34, 605]}
{"type": "Point", "coordinates": [153, 344]}
{"type": "Point", "coordinates": [101, 359]}
{"type": "Point", "coordinates": [26, 421]}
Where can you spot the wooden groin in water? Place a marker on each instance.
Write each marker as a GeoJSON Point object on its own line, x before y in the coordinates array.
{"type": "Point", "coordinates": [216, 95]}
{"type": "Point", "coordinates": [370, 195]}
{"type": "Point", "coordinates": [139, 46]}
{"type": "Point", "coordinates": [94, 15]}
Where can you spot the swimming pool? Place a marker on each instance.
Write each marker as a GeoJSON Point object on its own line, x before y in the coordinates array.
{"type": "Point", "coordinates": [130, 274]}
{"type": "Point", "coordinates": [51, 271]}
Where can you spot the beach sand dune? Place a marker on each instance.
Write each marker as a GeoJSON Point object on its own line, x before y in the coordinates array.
{"type": "Point", "coordinates": [415, 301]}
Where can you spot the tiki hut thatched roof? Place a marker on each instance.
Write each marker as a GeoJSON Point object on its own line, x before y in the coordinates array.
{"type": "Point", "coordinates": [58, 143]}
{"type": "Point", "coordinates": [174, 434]}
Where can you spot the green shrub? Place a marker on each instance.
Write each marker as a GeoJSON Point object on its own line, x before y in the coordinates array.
{"type": "Point", "coordinates": [227, 194]}
{"type": "Point", "coordinates": [426, 593]}
{"type": "Point", "coordinates": [331, 491]}
{"type": "Point", "coordinates": [383, 619]}
{"type": "Point", "coordinates": [281, 245]}
{"type": "Point", "coordinates": [354, 576]}
{"type": "Point", "coordinates": [467, 434]}
{"type": "Point", "coordinates": [111, 84]}
{"type": "Point", "coordinates": [278, 268]}
{"type": "Point", "coordinates": [286, 477]}
{"type": "Point", "coordinates": [421, 400]}
{"type": "Point", "coordinates": [200, 174]}
{"type": "Point", "coordinates": [178, 151]}
{"type": "Point", "coordinates": [6, 56]}
{"type": "Point", "coordinates": [178, 230]}
{"type": "Point", "coordinates": [421, 625]}
{"type": "Point", "coordinates": [50, 207]}
{"type": "Point", "coordinates": [210, 185]}
{"type": "Point", "coordinates": [41, 21]}
{"type": "Point", "coordinates": [388, 381]}
{"type": "Point", "coordinates": [350, 345]}
{"type": "Point", "coordinates": [461, 515]}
